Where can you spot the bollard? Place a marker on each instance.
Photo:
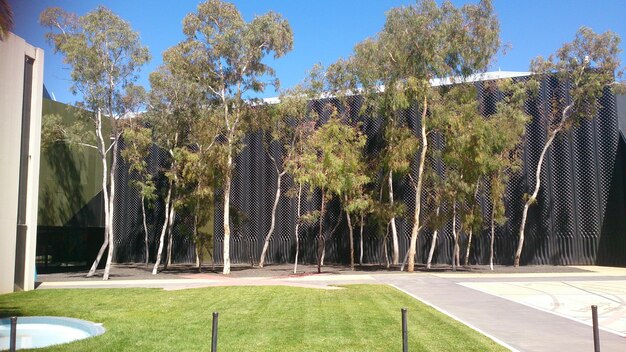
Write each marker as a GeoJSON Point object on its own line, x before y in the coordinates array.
{"type": "Point", "coordinates": [214, 333]}
{"type": "Point", "coordinates": [596, 329]}
{"type": "Point", "coordinates": [405, 337]}
{"type": "Point", "coordinates": [13, 339]}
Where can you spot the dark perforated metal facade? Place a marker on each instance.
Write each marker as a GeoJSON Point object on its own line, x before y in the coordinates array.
{"type": "Point", "coordinates": [580, 216]}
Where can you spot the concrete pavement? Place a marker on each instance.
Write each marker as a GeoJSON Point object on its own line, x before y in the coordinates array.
{"type": "Point", "coordinates": [516, 326]}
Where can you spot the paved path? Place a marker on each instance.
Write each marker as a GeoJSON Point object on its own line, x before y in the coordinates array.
{"type": "Point", "coordinates": [524, 312]}
{"type": "Point", "coordinates": [519, 327]}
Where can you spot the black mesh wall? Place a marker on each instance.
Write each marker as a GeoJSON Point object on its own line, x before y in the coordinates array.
{"type": "Point", "coordinates": [127, 220]}
{"type": "Point", "coordinates": [579, 217]}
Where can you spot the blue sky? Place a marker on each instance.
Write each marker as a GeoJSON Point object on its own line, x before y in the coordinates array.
{"type": "Point", "coordinates": [325, 30]}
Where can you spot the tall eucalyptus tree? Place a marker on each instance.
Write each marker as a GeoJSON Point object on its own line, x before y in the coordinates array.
{"type": "Point", "coordinates": [224, 54]}
{"type": "Point", "coordinates": [105, 55]}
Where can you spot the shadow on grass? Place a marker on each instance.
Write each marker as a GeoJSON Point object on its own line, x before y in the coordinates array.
{"type": "Point", "coordinates": [7, 312]}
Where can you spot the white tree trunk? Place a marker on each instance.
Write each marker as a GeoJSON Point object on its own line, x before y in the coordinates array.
{"type": "Point", "coordinates": [226, 219]}
{"type": "Point", "coordinates": [469, 246]}
{"type": "Point", "coordinates": [196, 238]}
{"type": "Point", "coordinates": [351, 238]}
{"type": "Point", "coordinates": [418, 192]}
{"type": "Point", "coordinates": [330, 236]}
{"type": "Point", "coordinates": [295, 263]}
{"type": "Point", "coordinates": [395, 257]}
{"type": "Point", "coordinates": [170, 235]}
{"type": "Point", "coordinates": [385, 254]}
{"type": "Point", "coordinates": [198, 264]}
{"type": "Point", "coordinates": [105, 192]}
{"type": "Point", "coordinates": [111, 205]}
{"type": "Point", "coordinates": [361, 240]}
{"type": "Point", "coordinates": [471, 232]}
{"type": "Point", "coordinates": [266, 245]}
{"type": "Point", "coordinates": [145, 227]}
{"type": "Point", "coordinates": [492, 238]}
{"type": "Point", "coordinates": [163, 230]}
{"type": "Point", "coordinates": [320, 237]}
{"type": "Point", "coordinates": [433, 243]}
{"type": "Point", "coordinates": [454, 236]}
{"type": "Point", "coordinates": [533, 198]}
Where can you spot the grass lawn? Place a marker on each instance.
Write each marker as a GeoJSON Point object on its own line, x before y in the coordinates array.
{"type": "Point", "coordinates": [357, 318]}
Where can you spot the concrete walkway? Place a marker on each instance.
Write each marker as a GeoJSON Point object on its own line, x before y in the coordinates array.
{"type": "Point", "coordinates": [516, 326]}
{"type": "Point", "coordinates": [523, 312]}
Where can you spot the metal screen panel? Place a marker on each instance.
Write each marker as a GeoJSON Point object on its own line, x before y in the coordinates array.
{"type": "Point", "coordinates": [578, 219]}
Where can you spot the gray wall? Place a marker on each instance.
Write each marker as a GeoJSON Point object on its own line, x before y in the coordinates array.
{"type": "Point", "coordinates": [17, 248]}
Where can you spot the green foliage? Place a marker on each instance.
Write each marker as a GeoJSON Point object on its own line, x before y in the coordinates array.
{"type": "Point", "coordinates": [138, 140]}
{"type": "Point", "coordinates": [55, 129]}
{"type": "Point", "coordinates": [478, 147]}
{"type": "Point", "coordinates": [223, 53]}
{"type": "Point", "coordinates": [401, 147]}
{"type": "Point", "coordinates": [289, 122]}
{"type": "Point", "coordinates": [395, 70]}
{"type": "Point", "coordinates": [508, 125]}
{"type": "Point", "coordinates": [333, 159]}
{"type": "Point", "coordinates": [589, 63]}
{"type": "Point", "coordinates": [424, 41]}
{"type": "Point", "coordinates": [6, 18]}
{"type": "Point", "coordinates": [181, 124]}
{"type": "Point", "coordinates": [175, 105]}
{"type": "Point", "coordinates": [310, 218]}
{"type": "Point", "coordinates": [103, 52]}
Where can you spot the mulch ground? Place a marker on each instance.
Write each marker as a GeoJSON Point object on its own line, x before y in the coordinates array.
{"type": "Point", "coordinates": [181, 271]}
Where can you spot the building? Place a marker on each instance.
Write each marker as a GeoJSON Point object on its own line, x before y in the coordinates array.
{"type": "Point", "coordinates": [578, 219]}
{"type": "Point", "coordinates": [21, 91]}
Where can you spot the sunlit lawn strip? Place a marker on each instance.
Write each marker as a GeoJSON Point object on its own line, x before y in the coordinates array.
{"type": "Point", "coordinates": [357, 318]}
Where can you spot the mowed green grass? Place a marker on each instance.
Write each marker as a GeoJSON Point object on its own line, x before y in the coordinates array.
{"type": "Point", "coordinates": [356, 318]}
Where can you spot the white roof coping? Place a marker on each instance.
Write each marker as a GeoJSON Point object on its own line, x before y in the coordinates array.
{"type": "Point", "coordinates": [437, 82]}
{"type": "Point", "coordinates": [479, 77]}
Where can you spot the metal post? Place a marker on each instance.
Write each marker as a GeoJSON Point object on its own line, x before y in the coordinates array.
{"type": "Point", "coordinates": [405, 338]}
{"type": "Point", "coordinates": [596, 330]}
{"type": "Point", "coordinates": [13, 339]}
{"type": "Point", "coordinates": [214, 334]}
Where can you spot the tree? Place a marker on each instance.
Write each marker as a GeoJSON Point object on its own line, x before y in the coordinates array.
{"type": "Point", "coordinates": [138, 142]}
{"type": "Point", "coordinates": [586, 66]}
{"type": "Point", "coordinates": [284, 129]}
{"type": "Point", "coordinates": [456, 117]}
{"type": "Point", "coordinates": [341, 81]}
{"type": "Point", "coordinates": [195, 186]}
{"type": "Point", "coordinates": [224, 54]}
{"type": "Point", "coordinates": [330, 162]}
{"type": "Point", "coordinates": [467, 154]}
{"type": "Point", "coordinates": [399, 143]}
{"type": "Point", "coordinates": [478, 146]}
{"type": "Point", "coordinates": [175, 104]}
{"type": "Point", "coordinates": [418, 44]}
{"type": "Point", "coordinates": [507, 129]}
{"type": "Point", "coordinates": [6, 19]}
{"type": "Point", "coordinates": [105, 55]}
{"type": "Point", "coordinates": [295, 105]}
{"type": "Point", "coordinates": [356, 201]}
{"type": "Point", "coordinates": [435, 219]}
{"type": "Point", "coordinates": [501, 134]}
{"type": "Point", "coordinates": [200, 179]}
{"type": "Point", "coordinates": [296, 166]}
{"type": "Point", "coordinates": [276, 130]}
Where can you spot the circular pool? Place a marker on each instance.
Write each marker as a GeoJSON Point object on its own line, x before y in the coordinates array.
{"type": "Point", "coordinates": [35, 332]}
